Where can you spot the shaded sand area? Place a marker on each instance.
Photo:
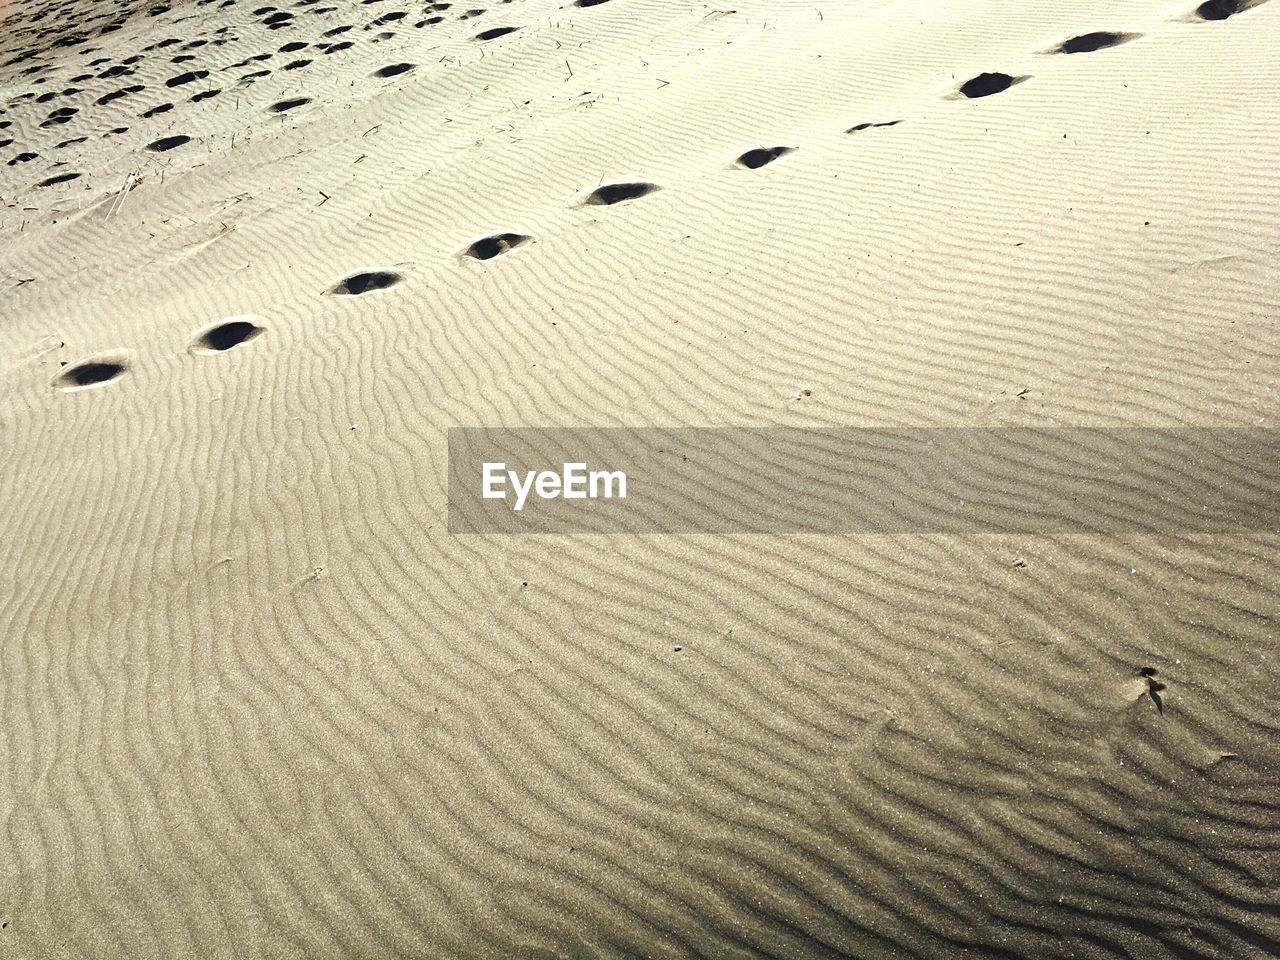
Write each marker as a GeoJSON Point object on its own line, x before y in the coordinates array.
{"type": "Point", "coordinates": [256, 701]}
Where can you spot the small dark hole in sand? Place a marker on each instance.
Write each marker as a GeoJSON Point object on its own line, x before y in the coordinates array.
{"type": "Point", "coordinates": [283, 105]}
{"type": "Point", "coordinates": [588, 3]}
{"type": "Point", "coordinates": [495, 32]}
{"type": "Point", "coordinates": [490, 247]}
{"type": "Point", "coordinates": [168, 143]}
{"type": "Point", "coordinates": [617, 192]}
{"type": "Point", "coordinates": [359, 283]}
{"type": "Point", "coordinates": [61, 178]}
{"type": "Point", "coordinates": [1089, 42]}
{"type": "Point", "coordinates": [986, 84]}
{"type": "Point", "coordinates": [393, 70]}
{"type": "Point", "coordinates": [754, 159]}
{"type": "Point", "coordinates": [88, 374]}
{"type": "Point", "coordinates": [227, 335]}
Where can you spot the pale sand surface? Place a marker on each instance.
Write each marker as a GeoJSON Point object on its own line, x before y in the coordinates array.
{"type": "Point", "coordinates": [256, 701]}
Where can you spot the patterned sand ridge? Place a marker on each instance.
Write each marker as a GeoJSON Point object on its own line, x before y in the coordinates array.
{"type": "Point", "coordinates": [258, 702]}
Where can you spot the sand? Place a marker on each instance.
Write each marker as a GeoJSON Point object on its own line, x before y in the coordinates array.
{"type": "Point", "coordinates": [257, 701]}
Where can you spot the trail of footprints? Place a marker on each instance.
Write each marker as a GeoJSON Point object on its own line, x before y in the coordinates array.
{"type": "Point", "coordinates": [64, 39]}
{"type": "Point", "coordinates": [107, 368]}
{"type": "Point", "coordinates": [231, 333]}
{"type": "Point", "coordinates": [45, 35]}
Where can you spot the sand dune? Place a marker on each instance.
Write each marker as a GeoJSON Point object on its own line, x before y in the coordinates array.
{"type": "Point", "coordinates": [257, 700]}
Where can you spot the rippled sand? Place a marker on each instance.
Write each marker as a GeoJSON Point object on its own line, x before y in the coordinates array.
{"type": "Point", "coordinates": [257, 701]}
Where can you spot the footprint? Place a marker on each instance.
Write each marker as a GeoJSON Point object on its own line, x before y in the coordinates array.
{"type": "Point", "coordinates": [393, 70]}
{"type": "Point", "coordinates": [106, 98]}
{"type": "Point", "coordinates": [754, 159]}
{"type": "Point", "coordinates": [588, 3]}
{"type": "Point", "coordinates": [168, 143]}
{"type": "Point", "coordinates": [1222, 9]}
{"type": "Point", "coordinates": [490, 247]}
{"type": "Point", "coordinates": [612, 193]}
{"type": "Point", "coordinates": [190, 77]}
{"type": "Point", "coordinates": [868, 126]}
{"type": "Point", "coordinates": [283, 105]}
{"type": "Point", "coordinates": [224, 336]}
{"type": "Point", "coordinates": [359, 283]}
{"type": "Point", "coordinates": [495, 32]}
{"type": "Point", "coordinates": [61, 178]}
{"type": "Point", "coordinates": [1089, 42]}
{"type": "Point", "coordinates": [988, 84]}
{"type": "Point", "coordinates": [89, 374]}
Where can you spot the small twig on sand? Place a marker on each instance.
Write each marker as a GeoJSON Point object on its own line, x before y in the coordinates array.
{"type": "Point", "coordinates": [129, 183]}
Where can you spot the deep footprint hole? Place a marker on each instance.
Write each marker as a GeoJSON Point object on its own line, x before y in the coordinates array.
{"type": "Point", "coordinates": [168, 143]}
{"type": "Point", "coordinates": [495, 33]}
{"type": "Point", "coordinates": [89, 374]}
{"type": "Point", "coordinates": [1099, 40]}
{"type": "Point", "coordinates": [612, 193]}
{"type": "Point", "coordinates": [393, 70]}
{"type": "Point", "coordinates": [754, 159]}
{"type": "Point", "coordinates": [490, 247]}
{"type": "Point", "coordinates": [987, 84]}
{"type": "Point", "coordinates": [359, 283]}
{"type": "Point", "coordinates": [227, 335]}
{"type": "Point", "coordinates": [1222, 9]}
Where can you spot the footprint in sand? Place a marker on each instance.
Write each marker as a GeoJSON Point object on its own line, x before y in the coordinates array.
{"type": "Point", "coordinates": [228, 334]}
{"type": "Point", "coordinates": [869, 125]}
{"type": "Point", "coordinates": [361, 283]}
{"type": "Point", "coordinates": [90, 373]}
{"type": "Point", "coordinates": [611, 193]}
{"type": "Point", "coordinates": [760, 156]}
{"type": "Point", "coordinates": [489, 247]}
{"type": "Point", "coordinates": [1223, 9]}
{"type": "Point", "coordinates": [988, 84]}
{"type": "Point", "coordinates": [1089, 42]}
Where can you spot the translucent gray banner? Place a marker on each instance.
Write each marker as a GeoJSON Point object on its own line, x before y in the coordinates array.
{"type": "Point", "coordinates": [878, 481]}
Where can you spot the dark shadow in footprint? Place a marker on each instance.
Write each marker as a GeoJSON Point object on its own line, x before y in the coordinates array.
{"type": "Point", "coordinates": [868, 126]}
{"type": "Point", "coordinates": [89, 374]}
{"type": "Point", "coordinates": [588, 3]}
{"type": "Point", "coordinates": [754, 159]}
{"type": "Point", "coordinates": [168, 143]}
{"type": "Point", "coordinates": [1089, 42]}
{"type": "Point", "coordinates": [283, 105]}
{"type": "Point", "coordinates": [359, 283]}
{"type": "Point", "coordinates": [1222, 9]}
{"type": "Point", "coordinates": [612, 193]}
{"type": "Point", "coordinates": [393, 70]}
{"type": "Point", "coordinates": [227, 335]}
{"type": "Point", "coordinates": [494, 33]}
{"type": "Point", "coordinates": [490, 247]}
{"type": "Point", "coordinates": [61, 178]}
{"type": "Point", "coordinates": [988, 84]}
{"type": "Point", "coordinates": [183, 78]}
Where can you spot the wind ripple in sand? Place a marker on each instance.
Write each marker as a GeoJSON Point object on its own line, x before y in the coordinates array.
{"type": "Point", "coordinates": [257, 700]}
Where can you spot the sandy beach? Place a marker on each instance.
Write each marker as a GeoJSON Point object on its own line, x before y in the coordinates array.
{"type": "Point", "coordinates": [258, 700]}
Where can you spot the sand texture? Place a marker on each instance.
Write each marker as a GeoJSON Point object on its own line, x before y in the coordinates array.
{"type": "Point", "coordinates": [256, 701]}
